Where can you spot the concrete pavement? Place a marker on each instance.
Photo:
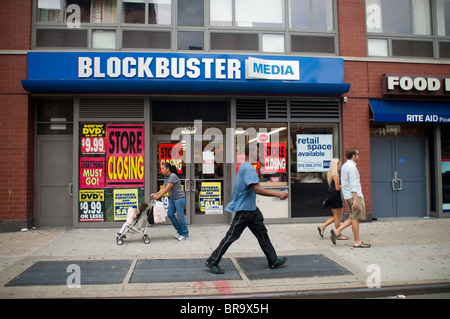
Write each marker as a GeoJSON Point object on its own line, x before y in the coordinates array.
{"type": "Point", "coordinates": [404, 252]}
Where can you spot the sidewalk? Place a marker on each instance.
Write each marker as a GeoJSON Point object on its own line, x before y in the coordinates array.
{"type": "Point", "coordinates": [412, 251]}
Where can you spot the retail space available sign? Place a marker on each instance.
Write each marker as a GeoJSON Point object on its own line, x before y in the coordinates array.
{"type": "Point", "coordinates": [144, 72]}
{"type": "Point", "coordinates": [314, 152]}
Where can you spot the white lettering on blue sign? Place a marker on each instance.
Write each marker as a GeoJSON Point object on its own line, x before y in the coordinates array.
{"type": "Point", "coordinates": [159, 68]}
{"type": "Point", "coordinates": [182, 67]}
{"type": "Point", "coordinates": [433, 118]}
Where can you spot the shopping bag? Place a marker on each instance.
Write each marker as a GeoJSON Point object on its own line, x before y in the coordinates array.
{"type": "Point", "coordinates": [159, 214]}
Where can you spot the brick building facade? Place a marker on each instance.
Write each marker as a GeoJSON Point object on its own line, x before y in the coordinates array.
{"type": "Point", "coordinates": [19, 110]}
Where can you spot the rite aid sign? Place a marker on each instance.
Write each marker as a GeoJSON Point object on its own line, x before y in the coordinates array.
{"type": "Point", "coordinates": [401, 84]}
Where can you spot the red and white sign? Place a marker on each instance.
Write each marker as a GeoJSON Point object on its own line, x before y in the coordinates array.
{"type": "Point", "coordinates": [263, 137]}
{"type": "Point", "coordinates": [275, 155]}
{"type": "Point", "coordinates": [171, 153]}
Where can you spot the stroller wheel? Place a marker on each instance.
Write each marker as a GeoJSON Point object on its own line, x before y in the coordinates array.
{"type": "Point", "coordinates": [146, 239]}
{"type": "Point", "coordinates": [119, 241]}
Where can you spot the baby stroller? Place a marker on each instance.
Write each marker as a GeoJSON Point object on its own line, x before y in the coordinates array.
{"type": "Point", "coordinates": [139, 225]}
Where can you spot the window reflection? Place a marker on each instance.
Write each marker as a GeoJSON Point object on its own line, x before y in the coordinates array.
{"type": "Point", "coordinates": [272, 160]}
{"type": "Point", "coordinates": [158, 11]}
{"type": "Point", "coordinates": [191, 13]}
{"type": "Point", "coordinates": [221, 13]}
{"type": "Point", "coordinates": [311, 15]}
{"type": "Point", "coordinates": [260, 13]}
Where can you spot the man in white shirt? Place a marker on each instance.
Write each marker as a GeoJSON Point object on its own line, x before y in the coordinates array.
{"type": "Point", "coordinates": [351, 191]}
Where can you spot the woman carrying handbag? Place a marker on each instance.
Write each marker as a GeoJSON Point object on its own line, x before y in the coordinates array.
{"type": "Point", "coordinates": [334, 198]}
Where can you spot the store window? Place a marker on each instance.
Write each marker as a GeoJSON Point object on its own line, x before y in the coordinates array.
{"type": "Point", "coordinates": [111, 170]}
{"type": "Point", "coordinates": [399, 17]}
{"type": "Point", "coordinates": [248, 13]}
{"type": "Point", "coordinates": [147, 12]}
{"type": "Point", "coordinates": [312, 148]}
{"type": "Point", "coordinates": [405, 28]}
{"type": "Point", "coordinates": [89, 11]}
{"type": "Point", "coordinates": [314, 15]}
{"type": "Point", "coordinates": [443, 17]}
{"type": "Point", "coordinates": [272, 26]}
{"type": "Point", "coordinates": [55, 117]}
{"type": "Point", "coordinates": [272, 162]}
{"type": "Point", "coordinates": [445, 162]}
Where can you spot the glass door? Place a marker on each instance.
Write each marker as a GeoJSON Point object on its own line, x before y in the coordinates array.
{"type": "Point", "coordinates": [200, 167]}
{"type": "Point", "coordinates": [167, 150]}
{"type": "Point", "coordinates": [208, 183]}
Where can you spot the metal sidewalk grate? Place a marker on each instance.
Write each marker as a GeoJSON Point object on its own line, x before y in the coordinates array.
{"type": "Point", "coordinates": [54, 273]}
{"type": "Point", "coordinates": [180, 270]}
{"type": "Point", "coordinates": [302, 266]}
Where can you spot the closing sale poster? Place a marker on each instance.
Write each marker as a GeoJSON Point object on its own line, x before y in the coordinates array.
{"type": "Point", "coordinates": [314, 152]}
{"type": "Point", "coordinates": [111, 158]}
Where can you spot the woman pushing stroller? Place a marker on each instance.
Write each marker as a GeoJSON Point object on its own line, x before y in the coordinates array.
{"type": "Point", "coordinates": [177, 200]}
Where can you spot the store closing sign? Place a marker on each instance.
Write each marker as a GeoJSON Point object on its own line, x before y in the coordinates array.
{"type": "Point", "coordinates": [275, 157]}
{"type": "Point", "coordinates": [171, 153]}
{"type": "Point", "coordinates": [125, 155]}
{"type": "Point", "coordinates": [314, 152]}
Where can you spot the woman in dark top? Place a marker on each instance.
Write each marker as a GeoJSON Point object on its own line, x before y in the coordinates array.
{"type": "Point", "coordinates": [334, 197]}
{"type": "Point", "coordinates": [177, 200]}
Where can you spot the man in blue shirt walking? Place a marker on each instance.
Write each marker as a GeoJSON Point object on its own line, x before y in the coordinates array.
{"type": "Point", "coordinates": [247, 214]}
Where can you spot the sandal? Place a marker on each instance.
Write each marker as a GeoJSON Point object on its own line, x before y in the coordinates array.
{"type": "Point", "coordinates": [321, 231]}
{"type": "Point", "coordinates": [342, 237]}
{"type": "Point", "coordinates": [333, 236]}
{"type": "Point", "coordinates": [362, 245]}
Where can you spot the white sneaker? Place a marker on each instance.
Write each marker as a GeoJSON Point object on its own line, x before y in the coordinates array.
{"type": "Point", "coordinates": [182, 238]}
{"type": "Point", "coordinates": [177, 236]}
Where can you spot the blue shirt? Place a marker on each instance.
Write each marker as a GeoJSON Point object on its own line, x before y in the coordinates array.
{"type": "Point", "coordinates": [243, 196]}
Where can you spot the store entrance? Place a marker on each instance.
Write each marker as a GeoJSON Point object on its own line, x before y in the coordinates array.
{"type": "Point", "coordinates": [398, 176]}
{"type": "Point", "coordinates": [202, 177]}
{"type": "Point", "coordinates": [192, 135]}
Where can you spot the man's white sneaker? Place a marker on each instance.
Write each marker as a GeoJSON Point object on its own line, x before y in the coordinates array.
{"type": "Point", "coordinates": [181, 238]}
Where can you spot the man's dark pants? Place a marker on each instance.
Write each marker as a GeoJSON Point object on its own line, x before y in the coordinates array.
{"type": "Point", "coordinates": [254, 220]}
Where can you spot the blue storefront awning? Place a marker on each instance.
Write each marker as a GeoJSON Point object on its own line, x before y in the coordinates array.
{"type": "Point", "coordinates": [410, 111]}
